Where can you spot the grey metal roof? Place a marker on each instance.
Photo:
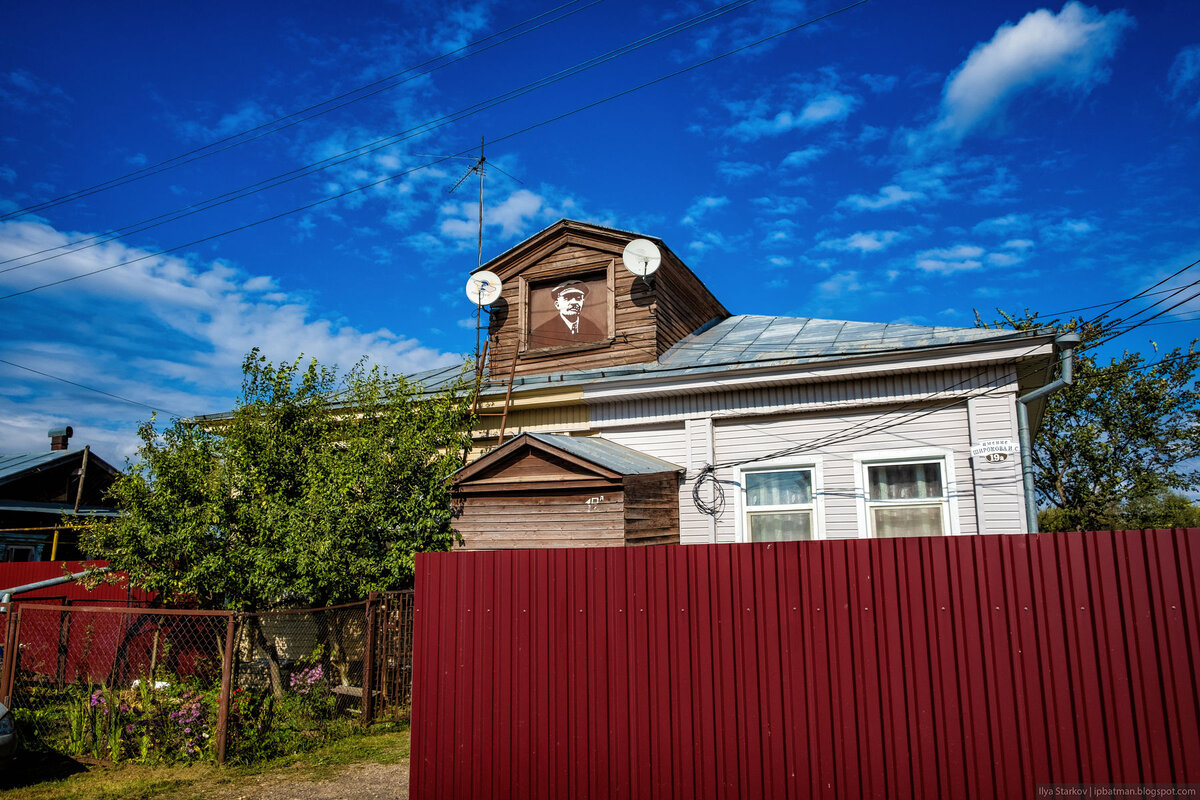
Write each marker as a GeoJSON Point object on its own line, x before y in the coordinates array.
{"type": "Point", "coordinates": [15, 465]}
{"type": "Point", "coordinates": [607, 454]}
{"type": "Point", "coordinates": [748, 341]}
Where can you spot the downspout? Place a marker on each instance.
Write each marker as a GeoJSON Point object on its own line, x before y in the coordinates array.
{"type": "Point", "coordinates": [1066, 342]}
{"type": "Point", "coordinates": [6, 594]}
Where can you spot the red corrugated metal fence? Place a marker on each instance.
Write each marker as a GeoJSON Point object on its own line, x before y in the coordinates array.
{"type": "Point", "coordinates": [938, 667]}
{"type": "Point", "coordinates": [25, 572]}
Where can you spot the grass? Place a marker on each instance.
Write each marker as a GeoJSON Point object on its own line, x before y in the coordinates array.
{"type": "Point", "coordinates": [64, 778]}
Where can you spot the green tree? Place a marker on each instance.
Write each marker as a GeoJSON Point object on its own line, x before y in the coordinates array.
{"type": "Point", "coordinates": [1116, 447]}
{"type": "Point", "coordinates": [315, 489]}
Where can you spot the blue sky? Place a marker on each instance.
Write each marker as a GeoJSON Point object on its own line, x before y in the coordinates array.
{"type": "Point", "coordinates": [894, 162]}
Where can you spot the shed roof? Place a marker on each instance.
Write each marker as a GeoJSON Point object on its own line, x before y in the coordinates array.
{"type": "Point", "coordinates": [615, 458]}
{"type": "Point", "coordinates": [605, 453]}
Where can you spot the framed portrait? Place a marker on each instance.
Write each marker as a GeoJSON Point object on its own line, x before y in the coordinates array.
{"type": "Point", "coordinates": [568, 311]}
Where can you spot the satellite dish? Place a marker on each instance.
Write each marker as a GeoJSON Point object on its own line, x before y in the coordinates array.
{"type": "Point", "coordinates": [641, 257]}
{"type": "Point", "coordinates": [483, 288]}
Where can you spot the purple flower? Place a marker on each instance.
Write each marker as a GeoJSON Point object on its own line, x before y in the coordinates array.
{"type": "Point", "coordinates": [129, 728]}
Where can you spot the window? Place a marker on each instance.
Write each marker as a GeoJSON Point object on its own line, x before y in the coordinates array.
{"type": "Point", "coordinates": [907, 499]}
{"type": "Point", "coordinates": [19, 552]}
{"type": "Point", "coordinates": [779, 505]}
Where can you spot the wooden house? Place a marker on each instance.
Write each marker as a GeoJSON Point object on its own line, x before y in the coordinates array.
{"type": "Point", "coordinates": [551, 490]}
{"type": "Point", "coordinates": [794, 428]}
{"type": "Point", "coordinates": [37, 490]}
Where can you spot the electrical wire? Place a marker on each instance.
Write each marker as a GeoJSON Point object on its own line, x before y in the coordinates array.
{"type": "Point", "coordinates": [708, 478]}
{"type": "Point", "coordinates": [297, 117]}
{"type": "Point", "coordinates": [385, 142]}
{"type": "Point", "coordinates": [385, 179]}
{"type": "Point", "coordinates": [88, 388]}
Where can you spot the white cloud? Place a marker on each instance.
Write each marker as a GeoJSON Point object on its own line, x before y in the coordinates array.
{"type": "Point", "coordinates": [172, 335]}
{"type": "Point", "coordinates": [829, 106]}
{"type": "Point", "coordinates": [879, 83]}
{"type": "Point", "coordinates": [248, 115]}
{"type": "Point", "coordinates": [1184, 79]}
{"type": "Point", "coordinates": [864, 241]}
{"type": "Point", "coordinates": [840, 285]}
{"type": "Point", "coordinates": [738, 170]}
{"type": "Point", "coordinates": [804, 157]}
{"type": "Point", "coordinates": [1064, 52]}
{"type": "Point", "coordinates": [952, 259]}
{"type": "Point", "coordinates": [701, 206]}
{"type": "Point", "coordinates": [517, 215]}
{"type": "Point", "coordinates": [1018, 244]}
{"type": "Point", "coordinates": [1003, 225]}
{"type": "Point", "coordinates": [1003, 259]}
{"type": "Point", "coordinates": [1067, 230]}
{"type": "Point", "coordinates": [888, 196]}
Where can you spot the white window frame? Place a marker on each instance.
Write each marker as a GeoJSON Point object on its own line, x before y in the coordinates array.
{"type": "Point", "coordinates": [951, 524]}
{"type": "Point", "coordinates": [742, 505]}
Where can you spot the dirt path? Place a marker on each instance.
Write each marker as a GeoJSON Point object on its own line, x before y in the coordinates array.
{"type": "Point", "coordinates": [358, 782]}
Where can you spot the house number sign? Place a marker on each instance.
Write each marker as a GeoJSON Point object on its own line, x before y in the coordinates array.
{"type": "Point", "coordinates": [995, 451]}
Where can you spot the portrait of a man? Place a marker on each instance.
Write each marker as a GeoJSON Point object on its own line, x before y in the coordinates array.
{"type": "Point", "coordinates": [567, 313]}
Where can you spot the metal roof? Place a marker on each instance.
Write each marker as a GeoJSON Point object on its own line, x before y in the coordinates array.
{"type": "Point", "coordinates": [18, 464]}
{"type": "Point", "coordinates": [58, 509]}
{"type": "Point", "coordinates": [608, 454]}
{"type": "Point", "coordinates": [747, 341]}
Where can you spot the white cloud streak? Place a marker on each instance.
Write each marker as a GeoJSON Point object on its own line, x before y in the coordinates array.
{"type": "Point", "coordinates": [167, 331]}
{"type": "Point", "coordinates": [1068, 52]}
{"type": "Point", "coordinates": [1184, 80]}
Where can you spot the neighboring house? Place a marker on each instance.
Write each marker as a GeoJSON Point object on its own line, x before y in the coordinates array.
{"type": "Point", "coordinates": [37, 490]}
{"type": "Point", "coordinates": [812, 428]}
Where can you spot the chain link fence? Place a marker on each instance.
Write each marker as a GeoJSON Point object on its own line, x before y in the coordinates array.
{"type": "Point", "coordinates": [171, 686]}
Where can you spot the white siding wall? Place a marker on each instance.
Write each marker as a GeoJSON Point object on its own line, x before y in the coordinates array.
{"type": "Point", "coordinates": [944, 428]}
{"type": "Point", "coordinates": [897, 413]}
{"type": "Point", "coordinates": [686, 444]}
{"type": "Point", "coordinates": [998, 487]}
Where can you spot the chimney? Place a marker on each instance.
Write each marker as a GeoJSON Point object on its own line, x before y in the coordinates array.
{"type": "Point", "coordinates": [59, 437]}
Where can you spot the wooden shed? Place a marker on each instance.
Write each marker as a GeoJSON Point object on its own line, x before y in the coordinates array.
{"type": "Point", "coordinates": [554, 490]}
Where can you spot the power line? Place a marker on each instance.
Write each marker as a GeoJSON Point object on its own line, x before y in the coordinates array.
{"type": "Point", "coordinates": [297, 117]}
{"type": "Point", "coordinates": [388, 141]}
{"type": "Point", "coordinates": [88, 388]}
{"type": "Point", "coordinates": [402, 173]}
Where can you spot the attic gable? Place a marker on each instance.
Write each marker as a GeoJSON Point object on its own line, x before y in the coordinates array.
{"type": "Point", "coordinates": [568, 303]}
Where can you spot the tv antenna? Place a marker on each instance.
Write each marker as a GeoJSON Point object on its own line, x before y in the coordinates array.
{"type": "Point", "coordinates": [483, 287]}
{"type": "Point", "coordinates": [478, 169]}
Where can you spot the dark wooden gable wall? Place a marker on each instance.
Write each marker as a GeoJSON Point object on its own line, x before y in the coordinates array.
{"type": "Point", "coordinates": [645, 319]}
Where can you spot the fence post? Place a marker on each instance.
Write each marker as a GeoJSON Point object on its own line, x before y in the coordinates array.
{"type": "Point", "coordinates": [8, 653]}
{"type": "Point", "coordinates": [368, 679]}
{"type": "Point", "coordinates": [226, 691]}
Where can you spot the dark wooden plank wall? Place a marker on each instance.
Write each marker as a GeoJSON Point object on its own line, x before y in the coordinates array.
{"type": "Point", "coordinates": [683, 303]}
{"type": "Point", "coordinates": [652, 509]}
{"type": "Point", "coordinates": [646, 321]}
{"type": "Point", "coordinates": [544, 518]}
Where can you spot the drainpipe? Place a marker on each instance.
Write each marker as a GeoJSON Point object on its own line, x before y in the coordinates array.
{"type": "Point", "coordinates": [1066, 343]}
{"type": "Point", "coordinates": [6, 594]}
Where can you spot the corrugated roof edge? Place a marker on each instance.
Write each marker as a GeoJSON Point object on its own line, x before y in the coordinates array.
{"type": "Point", "coordinates": [607, 453]}
{"type": "Point", "coordinates": [14, 465]}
